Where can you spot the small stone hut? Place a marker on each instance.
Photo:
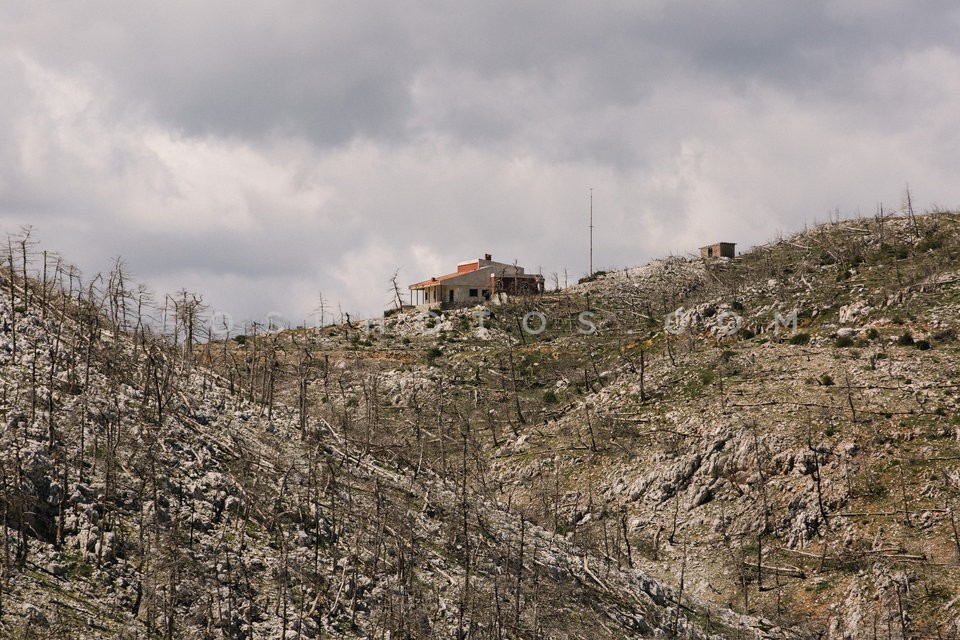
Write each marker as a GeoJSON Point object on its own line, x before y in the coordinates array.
{"type": "Point", "coordinates": [718, 250]}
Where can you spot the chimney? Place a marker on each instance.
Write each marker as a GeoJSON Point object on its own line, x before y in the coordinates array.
{"type": "Point", "coordinates": [486, 256]}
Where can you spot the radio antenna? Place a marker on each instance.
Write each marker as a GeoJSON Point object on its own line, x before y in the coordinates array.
{"type": "Point", "coordinates": [591, 231]}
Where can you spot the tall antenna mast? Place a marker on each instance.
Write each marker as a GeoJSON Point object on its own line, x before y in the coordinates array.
{"type": "Point", "coordinates": [591, 231]}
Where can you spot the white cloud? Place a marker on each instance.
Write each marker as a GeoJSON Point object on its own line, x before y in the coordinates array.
{"type": "Point", "coordinates": [261, 156]}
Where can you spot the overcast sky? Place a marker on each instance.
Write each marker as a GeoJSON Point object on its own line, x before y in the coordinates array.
{"type": "Point", "coordinates": [261, 153]}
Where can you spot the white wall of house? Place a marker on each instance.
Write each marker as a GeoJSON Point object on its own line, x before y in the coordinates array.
{"type": "Point", "coordinates": [470, 286]}
{"type": "Point", "coordinates": [479, 292]}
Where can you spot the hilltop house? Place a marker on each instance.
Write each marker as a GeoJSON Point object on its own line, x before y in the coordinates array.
{"type": "Point", "coordinates": [718, 250]}
{"type": "Point", "coordinates": [476, 281]}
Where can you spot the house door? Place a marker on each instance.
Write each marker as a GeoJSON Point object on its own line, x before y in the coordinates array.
{"type": "Point", "coordinates": [451, 295]}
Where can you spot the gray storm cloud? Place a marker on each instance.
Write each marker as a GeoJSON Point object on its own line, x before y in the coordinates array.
{"type": "Point", "coordinates": [262, 154]}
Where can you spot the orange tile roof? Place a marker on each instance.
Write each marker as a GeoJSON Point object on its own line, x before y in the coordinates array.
{"type": "Point", "coordinates": [433, 281]}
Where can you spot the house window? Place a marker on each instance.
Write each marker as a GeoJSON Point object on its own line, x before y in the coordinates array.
{"type": "Point", "coordinates": [486, 294]}
{"type": "Point", "coordinates": [473, 293]}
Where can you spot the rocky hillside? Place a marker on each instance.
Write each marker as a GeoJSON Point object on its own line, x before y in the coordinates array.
{"type": "Point", "coordinates": [760, 447]}
{"type": "Point", "coordinates": [300, 484]}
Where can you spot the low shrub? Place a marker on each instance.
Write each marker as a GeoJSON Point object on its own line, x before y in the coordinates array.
{"type": "Point", "coordinates": [843, 342]}
{"type": "Point", "coordinates": [945, 335]}
{"type": "Point", "coordinates": [591, 278]}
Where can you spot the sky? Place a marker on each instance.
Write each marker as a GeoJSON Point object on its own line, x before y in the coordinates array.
{"type": "Point", "coordinates": [266, 155]}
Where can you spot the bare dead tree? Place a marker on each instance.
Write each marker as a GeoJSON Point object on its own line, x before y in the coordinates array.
{"type": "Point", "coordinates": [817, 476]}
{"type": "Point", "coordinates": [953, 527]}
{"type": "Point", "coordinates": [303, 373]}
{"type": "Point", "coordinates": [12, 291]}
{"type": "Point", "coordinates": [903, 495]}
{"type": "Point", "coordinates": [908, 206]}
{"type": "Point", "coordinates": [321, 309]}
{"type": "Point", "coordinates": [188, 308]}
{"type": "Point", "coordinates": [395, 289]}
{"type": "Point", "coordinates": [25, 258]}
{"type": "Point", "coordinates": [849, 388]}
{"type": "Point", "coordinates": [518, 591]}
